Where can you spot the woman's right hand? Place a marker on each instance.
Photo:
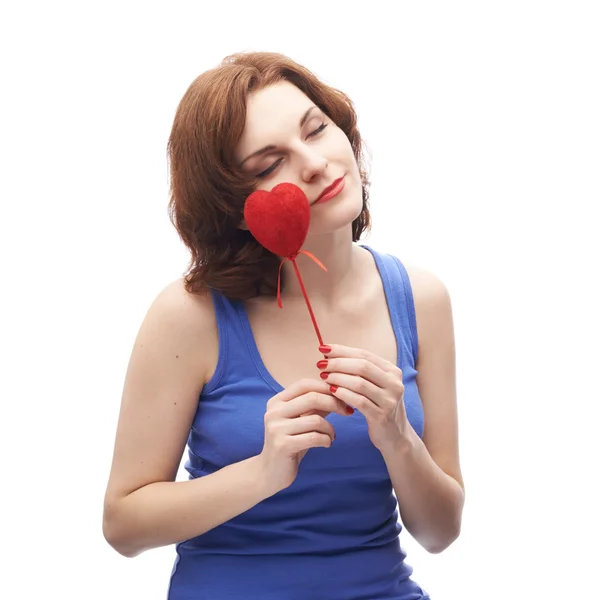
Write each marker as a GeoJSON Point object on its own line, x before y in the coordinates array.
{"type": "Point", "coordinates": [294, 422]}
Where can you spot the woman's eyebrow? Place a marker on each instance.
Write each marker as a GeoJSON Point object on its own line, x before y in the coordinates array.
{"type": "Point", "coordinates": [271, 147]}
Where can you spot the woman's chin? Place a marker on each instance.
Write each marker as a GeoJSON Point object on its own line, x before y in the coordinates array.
{"type": "Point", "coordinates": [332, 217]}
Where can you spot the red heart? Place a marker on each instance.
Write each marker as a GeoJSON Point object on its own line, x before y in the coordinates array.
{"type": "Point", "coordinates": [279, 219]}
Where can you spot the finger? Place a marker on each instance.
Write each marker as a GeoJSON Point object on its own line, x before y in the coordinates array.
{"type": "Point", "coordinates": [297, 443]}
{"type": "Point", "coordinates": [310, 402]}
{"type": "Point", "coordinates": [307, 424]}
{"type": "Point", "coordinates": [359, 386]}
{"type": "Point", "coordinates": [355, 366]}
{"type": "Point", "coordinates": [298, 388]}
{"type": "Point", "coordinates": [338, 350]}
{"type": "Point", "coordinates": [361, 403]}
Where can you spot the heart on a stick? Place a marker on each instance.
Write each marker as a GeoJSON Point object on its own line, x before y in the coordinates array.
{"type": "Point", "coordinates": [279, 221]}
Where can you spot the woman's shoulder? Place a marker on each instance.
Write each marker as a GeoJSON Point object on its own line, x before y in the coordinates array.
{"type": "Point", "coordinates": [428, 292]}
{"type": "Point", "coordinates": [432, 304]}
{"type": "Point", "coordinates": [426, 285]}
{"type": "Point", "coordinates": [186, 320]}
{"type": "Point", "coordinates": [180, 307]}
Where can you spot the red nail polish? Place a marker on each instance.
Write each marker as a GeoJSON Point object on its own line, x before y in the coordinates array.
{"type": "Point", "coordinates": [322, 364]}
{"type": "Point", "coordinates": [333, 388]}
{"type": "Point", "coordinates": [324, 375]}
{"type": "Point", "coordinates": [349, 410]}
{"type": "Point", "coordinates": [324, 349]}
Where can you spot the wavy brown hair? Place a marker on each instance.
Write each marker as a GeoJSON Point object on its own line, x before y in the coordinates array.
{"type": "Point", "coordinates": [208, 190]}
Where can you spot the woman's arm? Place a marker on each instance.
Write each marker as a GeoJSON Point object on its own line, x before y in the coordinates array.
{"type": "Point", "coordinates": [163, 513]}
{"type": "Point", "coordinates": [173, 356]}
{"type": "Point", "coordinates": [430, 500]}
{"type": "Point", "coordinates": [426, 473]}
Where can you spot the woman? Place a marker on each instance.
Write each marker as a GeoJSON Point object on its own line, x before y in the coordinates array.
{"type": "Point", "coordinates": [294, 451]}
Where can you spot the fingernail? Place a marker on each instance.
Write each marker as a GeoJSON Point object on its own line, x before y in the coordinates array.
{"type": "Point", "coordinates": [324, 375]}
{"type": "Point", "coordinates": [349, 410]}
{"type": "Point", "coordinates": [322, 364]}
{"type": "Point", "coordinates": [333, 388]}
{"type": "Point", "coordinates": [324, 349]}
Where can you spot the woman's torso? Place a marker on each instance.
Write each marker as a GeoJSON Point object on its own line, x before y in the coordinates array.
{"type": "Point", "coordinates": [340, 513]}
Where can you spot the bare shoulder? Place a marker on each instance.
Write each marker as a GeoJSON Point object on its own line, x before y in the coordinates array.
{"type": "Point", "coordinates": [195, 310]}
{"type": "Point", "coordinates": [186, 322]}
{"type": "Point", "coordinates": [429, 291]}
{"type": "Point", "coordinates": [433, 308]}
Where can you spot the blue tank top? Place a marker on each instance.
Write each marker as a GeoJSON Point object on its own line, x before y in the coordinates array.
{"type": "Point", "coordinates": [334, 533]}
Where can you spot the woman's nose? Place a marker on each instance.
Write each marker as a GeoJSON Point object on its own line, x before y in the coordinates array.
{"type": "Point", "coordinates": [314, 164]}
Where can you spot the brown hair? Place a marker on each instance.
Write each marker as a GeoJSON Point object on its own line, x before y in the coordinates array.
{"type": "Point", "coordinates": [208, 190]}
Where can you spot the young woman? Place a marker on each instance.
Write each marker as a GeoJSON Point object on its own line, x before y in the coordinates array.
{"type": "Point", "coordinates": [301, 458]}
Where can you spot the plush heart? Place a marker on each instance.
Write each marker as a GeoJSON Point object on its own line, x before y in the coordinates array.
{"type": "Point", "coordinates": [279, 219]}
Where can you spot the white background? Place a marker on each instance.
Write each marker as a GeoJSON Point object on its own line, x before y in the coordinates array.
{"type": "Point", "coordinates": [484, 129]}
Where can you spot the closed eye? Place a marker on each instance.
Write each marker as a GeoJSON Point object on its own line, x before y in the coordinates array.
{"type": "Point", "coordinates": [278, 162]}
{"type": "Point", "coordinates": [318, 130]}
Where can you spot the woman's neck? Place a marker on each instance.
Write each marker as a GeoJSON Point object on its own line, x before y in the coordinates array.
{"type": "Point", "coordinates": [344, 261]}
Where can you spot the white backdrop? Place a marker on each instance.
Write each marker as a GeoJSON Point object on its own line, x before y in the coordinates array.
{"type": "Point", "coordinates": [483, 124]}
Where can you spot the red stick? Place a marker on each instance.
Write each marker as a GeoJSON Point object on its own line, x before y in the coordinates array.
{"type": "Point", "coordinates": [310, 310]}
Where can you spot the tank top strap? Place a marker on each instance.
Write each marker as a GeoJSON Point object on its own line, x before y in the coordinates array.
{"type": "Point", "coordinates": [400, 300]}
{"type": "Point", "coordinates": [234, 346]}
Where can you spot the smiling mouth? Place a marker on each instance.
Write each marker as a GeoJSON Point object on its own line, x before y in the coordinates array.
{"type": "Point", "coordinates": [330, 192]}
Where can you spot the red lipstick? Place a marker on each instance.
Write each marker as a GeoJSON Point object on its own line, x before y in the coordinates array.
{"type": "Point", "coordinates": [331, 191]}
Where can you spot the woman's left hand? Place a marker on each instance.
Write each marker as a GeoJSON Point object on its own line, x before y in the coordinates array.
{"type": "Point", "coordinates": [373, 386]}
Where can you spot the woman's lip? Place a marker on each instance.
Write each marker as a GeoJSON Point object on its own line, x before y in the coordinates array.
{"type": "Point", "coordinates": [335, 189]}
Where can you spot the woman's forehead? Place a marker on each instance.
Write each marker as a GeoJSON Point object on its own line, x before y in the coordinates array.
{"type": "Point", "coordinates": [272, 112]}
